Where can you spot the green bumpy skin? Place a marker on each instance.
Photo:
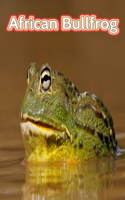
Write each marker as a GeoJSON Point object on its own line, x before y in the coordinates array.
{"type": "Point", "coordinates": [59, 123]}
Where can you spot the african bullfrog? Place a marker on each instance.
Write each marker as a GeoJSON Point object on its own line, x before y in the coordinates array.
{"type": "Point", "coordinates": [59, 123]}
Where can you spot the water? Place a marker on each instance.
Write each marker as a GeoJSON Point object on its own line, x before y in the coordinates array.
{"type": "Point", "coordinates": [103, 178]}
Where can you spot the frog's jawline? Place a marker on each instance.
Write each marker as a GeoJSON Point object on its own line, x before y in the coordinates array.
{"type": "Point", "coordinates": [25, 118]}
{"type": "Point", "coordinates": [30, 128]}
{"type": "Point", "coordinates": [39, 124]}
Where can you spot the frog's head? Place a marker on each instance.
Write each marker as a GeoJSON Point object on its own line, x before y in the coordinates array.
{"type": "Point", "coordinates": [45, 114]}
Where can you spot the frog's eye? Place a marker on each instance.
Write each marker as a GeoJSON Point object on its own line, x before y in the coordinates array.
{"type": "Point", "coordinates": [45, 79]}
{"type": "Point", "coordinates": [33, 68]}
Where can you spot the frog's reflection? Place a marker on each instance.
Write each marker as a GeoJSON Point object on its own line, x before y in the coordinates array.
{"type": "Point", "coordinates": [89, 180]}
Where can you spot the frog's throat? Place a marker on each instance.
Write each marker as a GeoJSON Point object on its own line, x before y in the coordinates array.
{"type": "Point", "coordinates": [29, 125]}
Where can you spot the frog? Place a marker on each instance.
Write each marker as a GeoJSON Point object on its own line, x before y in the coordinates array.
{"type": "Point", "coordinates": [61, 124]}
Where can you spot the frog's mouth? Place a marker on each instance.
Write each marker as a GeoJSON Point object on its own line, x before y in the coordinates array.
{"type": "Point", "coordinates": [30, 126]}
{"type": "Point", "coordinates": [36, 127]}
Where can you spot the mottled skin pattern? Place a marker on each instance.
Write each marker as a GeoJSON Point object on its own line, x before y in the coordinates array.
{"type": "Point", "coordinates": [82, 125]}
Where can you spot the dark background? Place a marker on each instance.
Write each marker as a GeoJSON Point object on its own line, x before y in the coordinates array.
{"type": "Point", "coordinates": [93, 61]}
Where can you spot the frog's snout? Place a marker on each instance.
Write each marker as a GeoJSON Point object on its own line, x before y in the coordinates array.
{"type": "Point", "coordinates": [21, 115]}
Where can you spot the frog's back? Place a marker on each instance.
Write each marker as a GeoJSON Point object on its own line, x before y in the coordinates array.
{"type": "Point", "coordinates": [94, 128]}
{"type": "Point", "coordinates": [94, 124]}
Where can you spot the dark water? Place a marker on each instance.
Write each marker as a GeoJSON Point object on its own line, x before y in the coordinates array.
{"type": "Point", "coordinates": [98, 179]}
